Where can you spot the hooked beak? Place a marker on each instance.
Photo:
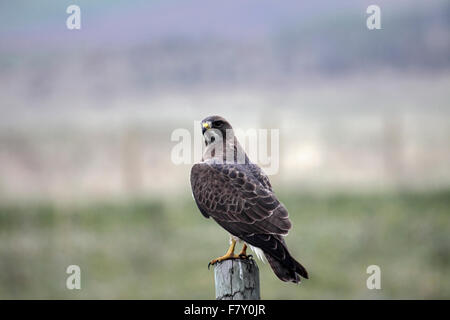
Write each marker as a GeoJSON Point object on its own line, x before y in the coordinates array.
{"type": "Point", "coordinates": [206, 126]}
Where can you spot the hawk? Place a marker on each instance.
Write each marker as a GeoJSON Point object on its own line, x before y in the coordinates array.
{"type": "Point", "coordinates": [238, 195]}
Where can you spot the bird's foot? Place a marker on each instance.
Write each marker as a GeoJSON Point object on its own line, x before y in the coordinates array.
{"type": "Point", "coordinates": [243, 253]}
{"type": "Point", "coordinates": [223, 258]}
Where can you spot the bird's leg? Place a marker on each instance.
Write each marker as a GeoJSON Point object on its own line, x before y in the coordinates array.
{"type": "Point", "coordinates": [243, 253]}
{"type": "Point", "coordinates": [229, 255]}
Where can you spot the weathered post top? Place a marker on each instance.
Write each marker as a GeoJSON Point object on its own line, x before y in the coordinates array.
{"type": "Point", "coordinates": [237, 279]}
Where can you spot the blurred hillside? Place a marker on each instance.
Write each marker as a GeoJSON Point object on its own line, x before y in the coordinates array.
{"type": "Point", "coordinates": [333, 136]}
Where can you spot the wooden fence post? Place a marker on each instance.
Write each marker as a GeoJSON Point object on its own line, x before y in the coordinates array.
{"type": "Point", "coordinates": [237, 279]}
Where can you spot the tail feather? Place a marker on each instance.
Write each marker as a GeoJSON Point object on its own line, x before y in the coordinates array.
{"type": "Point", "coordinates": [277, 254]}
{"type": "Point", "coordinates": [288, 269]}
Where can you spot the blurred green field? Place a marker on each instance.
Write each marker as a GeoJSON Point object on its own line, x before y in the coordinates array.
{"type": "Point", "coordinates": [160, 248]}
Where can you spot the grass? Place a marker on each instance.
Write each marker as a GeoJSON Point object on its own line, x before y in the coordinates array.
{"type": "Point", "coordinates": [159, 249]}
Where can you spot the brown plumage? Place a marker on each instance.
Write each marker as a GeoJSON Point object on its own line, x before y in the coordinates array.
{"type": "Point", "coordinates": [238, 196]}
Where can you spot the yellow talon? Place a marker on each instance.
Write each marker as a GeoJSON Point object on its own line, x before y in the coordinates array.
{"type": "Point", "coordinates": [243, 253]}
{"type": "Point", "coordinates": [230, 254]}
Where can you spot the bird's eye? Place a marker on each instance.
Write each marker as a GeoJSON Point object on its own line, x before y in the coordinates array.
{"type": "Point", "coordinates": [218, 123]}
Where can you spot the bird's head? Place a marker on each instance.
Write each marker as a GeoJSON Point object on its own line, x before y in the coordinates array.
{"type": "Point", "coordinates": [214, 127]}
